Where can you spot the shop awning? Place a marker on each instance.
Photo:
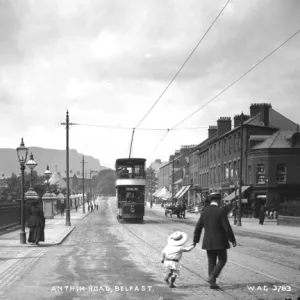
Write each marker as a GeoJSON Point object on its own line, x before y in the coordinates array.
{"type": "Point", "coordinates": [156, 192]}
{"type": "Point", "coordinates": [162, 192]}
{"type": "Point", "coordinates": [232, 195]}
{"type": "Point", "coordinates": [186, 188]}
{"type": "Point", "coordinates": [178, 181]}
{"type": "Point", "coordinates": [166, 196]}
{"type": "Point", "coordinates": [180, 191]}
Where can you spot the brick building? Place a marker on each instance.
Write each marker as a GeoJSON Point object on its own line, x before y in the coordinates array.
{"type": "Point", "coordinates": [273, 170]}
{"type": "Point", "coordinates": [173, 170]}
{"type": "Point", "coordinates": [214, 164]}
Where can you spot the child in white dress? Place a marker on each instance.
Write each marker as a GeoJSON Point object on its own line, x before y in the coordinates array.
{"type": "Point", "coordinates": [172, 254]}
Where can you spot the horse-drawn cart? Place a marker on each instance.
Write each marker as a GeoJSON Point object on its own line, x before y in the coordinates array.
{"type": "Point", "coordinates": [173, 210]}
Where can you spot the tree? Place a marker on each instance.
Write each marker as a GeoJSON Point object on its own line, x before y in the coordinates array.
{"type": "Point", "coordinates": [106, 182]}
{"type": "Point", "coordinates": [151, 181]}
{"type": "Point", "coordinates": [75, 183]}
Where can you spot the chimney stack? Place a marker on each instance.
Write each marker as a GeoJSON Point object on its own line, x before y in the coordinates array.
{"type": "Point", "coordinates": [264, 113]}
{"type": "Point", "coordinates": [237, 120]}
{"type": "Point", "coordinates": [212, 130]}
{"type": "Point", "coordinates": [224, 125]}
{"type": "Point", "coordinates": [255, 108]}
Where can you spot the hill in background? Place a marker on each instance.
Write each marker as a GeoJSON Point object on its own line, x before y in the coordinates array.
{"type": "Point", "coordinates": [56, 159]}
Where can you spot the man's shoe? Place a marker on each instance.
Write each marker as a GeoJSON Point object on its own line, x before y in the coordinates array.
{"type": "Point", "coordinates": [214, 286]}
{"type": "Point", "coordinates": [212, 282]}
{"type": "Point", "coordinates": [212, 279]}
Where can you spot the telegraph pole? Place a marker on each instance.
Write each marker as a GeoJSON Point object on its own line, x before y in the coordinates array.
{"type": "Point", "coordinates": [239, 212]}
{"type": "Point", "coordinates": [83, 201]}
{"type": "Point", "coordinates": [172, 180]}
{"type": "Point", "coordinates": [91, 183]}
{"type": "Point", "coordinates": [68, 221]}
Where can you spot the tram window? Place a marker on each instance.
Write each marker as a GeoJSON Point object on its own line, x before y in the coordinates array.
{"type": "Point", "coordinates": [131, 194]}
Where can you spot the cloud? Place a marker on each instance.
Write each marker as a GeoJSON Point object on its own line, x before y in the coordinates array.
{"type": "Point", "coordinates": [107, 62]}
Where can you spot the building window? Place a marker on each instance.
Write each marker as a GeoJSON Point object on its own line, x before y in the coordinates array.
{"type": "Point", "coordinates": [226, 172]}
{"type": "Point", "coordinates": [239, 141]}
{"type": "Point", "coordinates": [215, 179]}
{"type": "Point", "coordinates": [234, 142]}
{"type": "Point", "coordinates": [225, 145]}
{"type": "Point", "coordinates": [230, 170]}
{"type": "Point", "coordinates": [261, 174]}
{"type": "Point", "coordinates": [229, 145]}
{"type": "Point", "coordinates": [219, 150]}
{"type": "Point", "coordinates": [234, 169]}
{"type": "Point", "coordinates": [215, 151]}
{"type": "Point", "coordinates": [249, 174]}
{"type": "Point", "coordinates": [219, 173]}
{"type": "Point", "coordinates": [281, 174]}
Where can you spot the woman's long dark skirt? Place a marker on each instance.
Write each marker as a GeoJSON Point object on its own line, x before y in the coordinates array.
{"type": "Point", "coordinates": [36, 234]}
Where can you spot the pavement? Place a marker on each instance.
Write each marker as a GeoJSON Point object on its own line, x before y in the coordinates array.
{"type": "Point", "coordinates": [56, 231]}
{"type": "Point", "coordinates": [250, 225]}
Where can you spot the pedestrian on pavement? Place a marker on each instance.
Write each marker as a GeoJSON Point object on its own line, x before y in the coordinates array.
{"type": "Point", "coordinates": [36, 223]}
{"type": "Point", "coordinates": [62, 209]}
{"type": "Point", "coordinates": [217, 233]}
{"type": "Point", "coordinates": [76, 206]}
{"type": "Point", "coordinates": [262, 214]}
{"type": "Point", "coordinates": [172, 254]}
{"type": "Point", "coordinates": [92, 208]}
{"type": "Point", "coordinates": [88, 207]}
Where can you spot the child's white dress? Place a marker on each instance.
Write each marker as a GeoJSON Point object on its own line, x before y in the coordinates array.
{"type": "Point", "coordinates": [173, 253]}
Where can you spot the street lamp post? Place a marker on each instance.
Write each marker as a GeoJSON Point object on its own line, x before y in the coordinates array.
{"type": "Point", "coordinates": [48, 174]}
{"type": "Point", "coordinates": [31, 164]}
{"type": "Point", "coordinates": [22, 152]}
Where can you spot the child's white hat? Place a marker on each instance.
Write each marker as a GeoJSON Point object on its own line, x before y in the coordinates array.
{"type": "Point", "coordinates": [177, 238]}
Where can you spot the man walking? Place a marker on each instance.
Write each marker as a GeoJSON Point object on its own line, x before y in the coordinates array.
{"type": "Point", "coordinates": [217, 232]}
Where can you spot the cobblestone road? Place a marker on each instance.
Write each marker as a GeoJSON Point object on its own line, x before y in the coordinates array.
{"type": "Point", "coordinates": [105, 259]}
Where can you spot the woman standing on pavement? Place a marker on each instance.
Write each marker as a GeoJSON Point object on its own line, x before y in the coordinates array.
{"type": "Point", "coordinates": [36, 224]}
{"type": "Point", "coordinates": [262, 214]}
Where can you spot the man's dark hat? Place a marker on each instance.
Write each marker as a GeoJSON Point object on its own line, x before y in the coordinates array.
{"type": "Point", "coordinates": [214, 197]}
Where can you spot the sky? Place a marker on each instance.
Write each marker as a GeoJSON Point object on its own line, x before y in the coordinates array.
{"type": "Point", "coordinates": [108, 61]}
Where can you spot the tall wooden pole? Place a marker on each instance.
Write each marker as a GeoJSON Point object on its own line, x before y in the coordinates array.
{"type": "Point", "coordinates": [172, 180]}
{"type": "Point", "coordinates": [68, 219]}
{"type": "Point", "coordinates": [239, 211]}
{"type": "Point", "coordinates": [83, 200]}
{"type": "Point", "coordinates": [91, 183]}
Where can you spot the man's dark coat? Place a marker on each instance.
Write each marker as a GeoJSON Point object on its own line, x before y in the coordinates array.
{"type": "Point", "coordinates": [217, 229]}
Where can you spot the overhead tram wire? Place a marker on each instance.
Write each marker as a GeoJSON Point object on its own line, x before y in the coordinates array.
{"type": "Point", "coordinates": [168, 130]}
{"type": "Point", "coordinates": [177, 73]}
{"type": "Point", "coordinates": [230, 85]}
{"type": "Point", "coordinates": [129, 128]}
{"type": "Point", "coordinates": [239, 78]}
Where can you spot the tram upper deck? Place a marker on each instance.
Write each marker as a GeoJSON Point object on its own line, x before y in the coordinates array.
{"type": "Point", "coordinates": [130, 171]}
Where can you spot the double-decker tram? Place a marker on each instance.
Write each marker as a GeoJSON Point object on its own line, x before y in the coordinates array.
{"type": "Point", "coordinates": [130, 188]}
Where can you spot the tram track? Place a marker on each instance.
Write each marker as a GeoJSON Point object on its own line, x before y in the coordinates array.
{"type": "Point", "coordinates": [220, 291]}
{"type": "Point", "coordinates": [244, 252]}
{"type": "Point", "coordinates": [269, 280]}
